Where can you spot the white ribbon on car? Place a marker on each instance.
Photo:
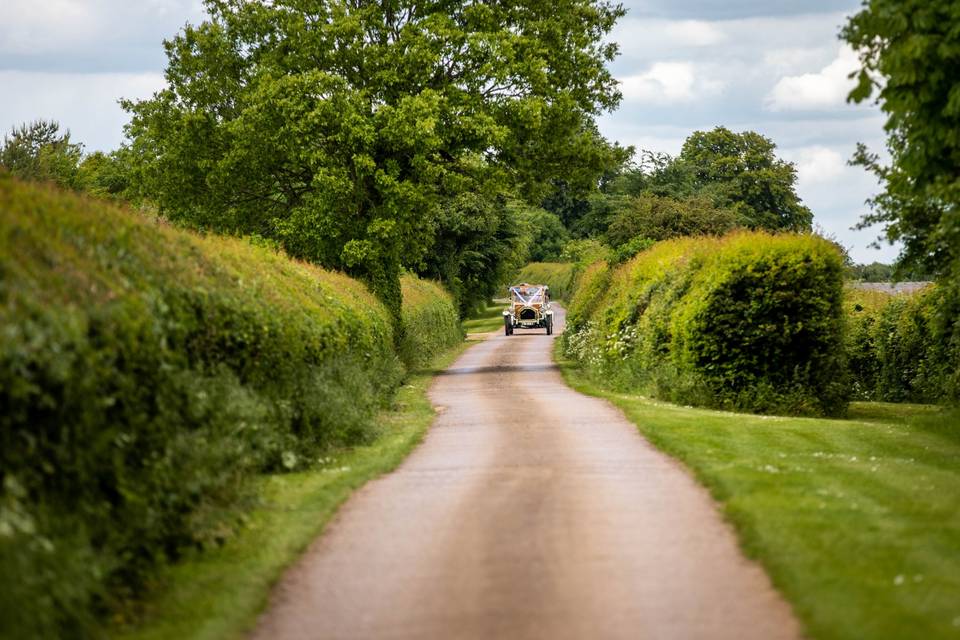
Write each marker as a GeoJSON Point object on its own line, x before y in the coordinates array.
{"type": "Point", "coordinates": [527, 301]}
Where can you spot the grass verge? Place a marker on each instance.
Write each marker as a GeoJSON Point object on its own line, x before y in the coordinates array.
{"type": "Point", "coordinates": [490, 319]}
{"type": "Point", "coordinates": [857, 521]}
{"type": "Point", "coordinates": [219, 594]}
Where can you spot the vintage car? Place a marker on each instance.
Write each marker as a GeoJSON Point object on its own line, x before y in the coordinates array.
{"type": "Point", "coordinates": [529, 308]}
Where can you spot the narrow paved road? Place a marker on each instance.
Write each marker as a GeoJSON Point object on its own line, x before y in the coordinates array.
{"type": "Point", "coordinates": [530, 511]}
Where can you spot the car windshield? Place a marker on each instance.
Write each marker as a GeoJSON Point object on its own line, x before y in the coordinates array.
{"type": "Point", "coordinates": [527, 295]}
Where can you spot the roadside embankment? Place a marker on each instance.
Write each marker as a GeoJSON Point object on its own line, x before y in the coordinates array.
{"type": "Point", "coordinates": [147, 375]}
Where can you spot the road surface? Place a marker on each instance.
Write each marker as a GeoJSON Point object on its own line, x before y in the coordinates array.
{"type": "Point", "coordinates": [529, 511]}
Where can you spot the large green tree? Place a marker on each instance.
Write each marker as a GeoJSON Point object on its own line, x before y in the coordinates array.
{"type": "Point", "coordinates": [910, 56]}
{"type": "Point", "coordinates": [343, 128]}
{"type": "Point", "coordinates": [741, 171]}
{"type": "Point", "coordinates": [735, 177]}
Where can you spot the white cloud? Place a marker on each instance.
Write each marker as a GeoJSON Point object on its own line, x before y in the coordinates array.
{"type": "Point", "coordinates": [818, 165]}
{"type": "Point", "coordinates": [29, 26]}
{"type": "Point", "coordinates": [668, 83]}
{"type": "Point", "coordinates": [655, 36]}
{"type": "Point", "coordinates": [825, 90]}
{"type": "Point", "coordinates": [795, 60]}
{"type": "Point", "coordinates": [692, 33]}
{"type": "Point", "coordinates": [85, 103]}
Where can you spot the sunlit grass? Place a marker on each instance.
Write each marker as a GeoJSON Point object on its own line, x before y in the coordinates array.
{"type": "Point", "coordinates": [857, 521]}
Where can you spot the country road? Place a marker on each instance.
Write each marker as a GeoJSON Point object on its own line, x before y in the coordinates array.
{"type": "Point", "coordinates": [529, 511]}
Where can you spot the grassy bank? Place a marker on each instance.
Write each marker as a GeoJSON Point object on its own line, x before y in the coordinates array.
{"type": "Point", "coordinates": [220, 593]}
{"type": "Point", "coordinates": [857, 521]}
{"type": "Point", "coordinates": [149, 377]}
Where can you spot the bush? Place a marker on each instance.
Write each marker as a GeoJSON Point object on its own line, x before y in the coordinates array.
{"type": "Point", "coordinates": [900, 347]}
{"type": "Point", "coordinates": [145, 373]}
{"type": "Point", "coordinates": [430, 321]}
{"type": "Point", "coordinates": [751, 321]}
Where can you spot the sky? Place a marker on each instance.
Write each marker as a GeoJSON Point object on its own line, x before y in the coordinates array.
{"type": "Point", "coordinates": [776, 67]}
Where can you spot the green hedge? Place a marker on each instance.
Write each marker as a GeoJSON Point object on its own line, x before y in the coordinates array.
{"type": "Point", "coordinates": [900, 347]}
{"type": "Point", "coordinates": [559, 276]}
{"type": "Point", "coordinates": [750, 321]}
{"type": "Point", "coordinates": [145, 373]}
{"type": "Point", "coordinates": [430, 321]}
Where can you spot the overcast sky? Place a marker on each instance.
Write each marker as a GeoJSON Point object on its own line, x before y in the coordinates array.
{"type": "Point", "coordinates": [776, 67]}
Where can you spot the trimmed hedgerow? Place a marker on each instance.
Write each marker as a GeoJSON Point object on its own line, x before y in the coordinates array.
{"type": "Point", "coordinates": [559, 276]}
{"type": "Point", "coordinates": [431, 323]}
{"type": "Point", "coordinates": [900, 348]}
{"type": "Point", "coordinates": [751, 321]}
{"type": "Point", "coordinates": [145, 373]}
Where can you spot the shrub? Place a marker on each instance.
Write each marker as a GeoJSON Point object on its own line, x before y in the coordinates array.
{"type": "Point", "coordinates": [751, 321]}
{"type": "Point", "coordinates": [430, 320]}
{"type": "Point", "coordinates": [145, 373]}
{"type": "Point", "coordinates": [901, 348]}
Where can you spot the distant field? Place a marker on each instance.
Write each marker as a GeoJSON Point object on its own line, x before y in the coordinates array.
{"type": "Point", "coordinates": [857, 521]}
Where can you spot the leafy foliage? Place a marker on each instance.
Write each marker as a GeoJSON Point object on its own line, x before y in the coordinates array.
{"type": "Point", "coordinates": [344, 129]}
{"type": "Point", "coordinates": [146, 374]}
{"type": "Point", "coordinates": [661, 218]}
{"type": "Point", "coordinates": [896, 348]}
{"type": "Point", "coordinates": [740, 171]}
{"type": "Point", "coordinates": [480, 242]}
{"type": "Point", "coordinates": [908, 50]}
{"type": "Point", "coordinates": [750, 321]}
{"type": "Point", "coordinates": [430, 321]}
{"type": "Point", "coordinates": [547, 235]}
{"type": "Point", "coordinates": [720, 181]}
{"type": "Point", "coordinates": [39, 151]}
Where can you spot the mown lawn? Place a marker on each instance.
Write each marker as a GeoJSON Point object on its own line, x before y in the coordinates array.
{"type": "Point", "coordinates": [857, 521]}
{"type": "Point", "coordinates": [490, 319]}
{"type": "Point", "coordinates": [220, 593]}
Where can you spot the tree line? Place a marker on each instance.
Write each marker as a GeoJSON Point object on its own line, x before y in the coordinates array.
{"type": "Point", "coordinates": [458, 140]}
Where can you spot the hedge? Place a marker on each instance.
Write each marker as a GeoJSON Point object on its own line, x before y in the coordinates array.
{"type": "Point", "coordinates": [145, 374]}
{"type": "Point", "coordinates": [903, 347]}
{"type": "Point", "coordinates": [751, 321]}
{"type": "Point", "coordinates": [430, 320]}
{"type": "Point", "coordinates": [559, 276]}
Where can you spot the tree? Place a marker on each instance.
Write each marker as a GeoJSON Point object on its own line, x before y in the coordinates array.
{"type": "Point", "coordinates": [104, 174]}
{"type": "Point", "coordinates": [547, 234]}
{"type": "Point", "coordinates": [741, 171]}
{"type": "Point", "coordinates": [660, 218]}
{"type": "Point", "coordinates": [480, 243]}
{"type": "Point", "coordinates": [345, 129]}
{"type": "Point", "coordinates": [39, 151]}
{"type": "Point", "coordinates": [582, 168]}
{"type": "Point", "coordinates": [908, 52]}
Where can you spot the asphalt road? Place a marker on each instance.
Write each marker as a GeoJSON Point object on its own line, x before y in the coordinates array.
{"type": "Point", "coordinates": [529, 511]}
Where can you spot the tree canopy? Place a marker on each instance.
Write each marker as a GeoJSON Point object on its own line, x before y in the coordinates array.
{"type": "Point", "coordinates": [741, 171]}
{"type": "Point", "coordinates": [909, 51]}
{"type": "Point", "coordinates": [40, 151]}
{"type": "Point", "coordinates": [344, 129]}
